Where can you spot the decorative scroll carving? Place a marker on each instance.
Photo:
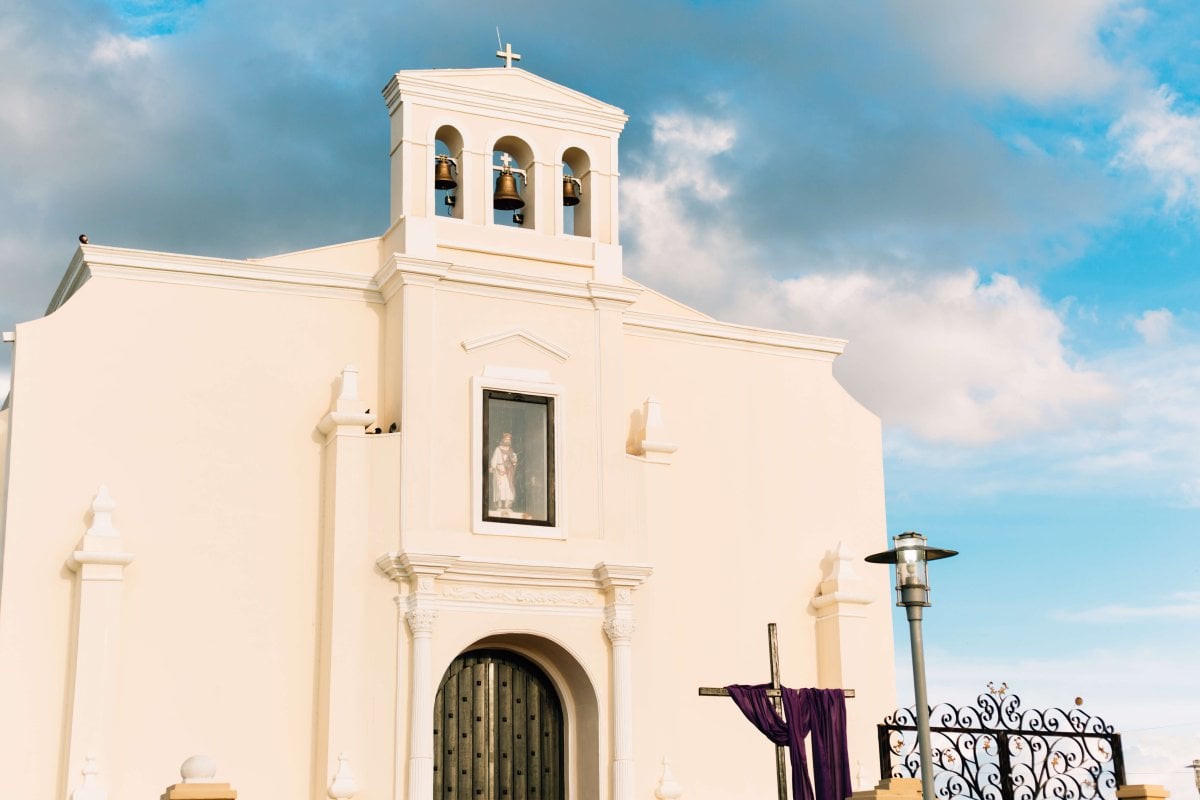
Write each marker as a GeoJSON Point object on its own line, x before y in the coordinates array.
{"type": "Point", "coordinates": [995, 750]}
{"type": "Point", "coordinates": [518, 596]}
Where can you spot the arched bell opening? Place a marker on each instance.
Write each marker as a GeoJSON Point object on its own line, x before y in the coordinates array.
{"type": "Point", "coordinates": [547, 745]}
{"type": "Point", "coordinates": [513, 183]}
{"type": "Point", "coordinates": [447, 175]}
{"type": "Point", "coordinates": [577, 192]}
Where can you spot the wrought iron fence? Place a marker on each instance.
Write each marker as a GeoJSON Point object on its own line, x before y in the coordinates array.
{"type": "Point", "coordinates": [995, 750]}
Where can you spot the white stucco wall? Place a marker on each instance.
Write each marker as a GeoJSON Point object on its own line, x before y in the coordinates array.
{"type": "Point", "coordinates": [263, 618]}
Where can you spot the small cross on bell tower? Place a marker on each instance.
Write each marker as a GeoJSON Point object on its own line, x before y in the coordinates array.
{"type": "Point", "coordinates": [508, 55]}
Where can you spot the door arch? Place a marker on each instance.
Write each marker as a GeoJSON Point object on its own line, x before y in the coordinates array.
{"type": "Point", "coordinates": [497, 730]}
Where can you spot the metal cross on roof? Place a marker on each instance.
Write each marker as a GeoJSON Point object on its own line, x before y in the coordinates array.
{"type": "Point", "coordinates": [506, 160]}
{"type": "Point", "coordinates": [508, 55]}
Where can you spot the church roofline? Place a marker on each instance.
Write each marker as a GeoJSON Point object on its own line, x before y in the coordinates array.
{"type": "Point", "coordinates": [555, 102]}
{"type": "Point", "coordinates": [246, 275]}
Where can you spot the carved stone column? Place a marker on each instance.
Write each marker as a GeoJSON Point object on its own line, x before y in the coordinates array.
{"type": "Point", "coordinates": [420, 617]}
{"type": "Point", "coordinates": [619, 625]}
{"type": "Point", "coordinates": [419, 607]}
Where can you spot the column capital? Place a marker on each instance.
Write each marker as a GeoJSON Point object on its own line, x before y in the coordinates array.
{"type": "Point", "coordinates": [421, 616]}
{"type": "Point", "coordinates": [619, 629]}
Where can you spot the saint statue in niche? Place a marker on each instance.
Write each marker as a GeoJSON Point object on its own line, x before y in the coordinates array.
{"type": "Point", "coordinates": [518, 461]}
{"type": "Point", "coordinates": [503, 468]}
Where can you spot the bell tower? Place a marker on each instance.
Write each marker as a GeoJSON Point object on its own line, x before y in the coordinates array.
{"type": "Point", "coordinates": [500, 169]}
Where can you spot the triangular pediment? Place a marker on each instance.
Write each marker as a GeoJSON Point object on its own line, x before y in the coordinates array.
{"type": "Point", "coordinates": [514, 85]}
{"type": "Point", "coordinates": [519, 335]}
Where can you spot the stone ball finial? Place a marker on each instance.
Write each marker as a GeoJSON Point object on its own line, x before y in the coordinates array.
{"type": "Point", "coordinates": [198, 769]}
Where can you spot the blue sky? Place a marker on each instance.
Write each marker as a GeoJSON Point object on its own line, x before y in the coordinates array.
{"type": "Point", "coordinates": [997, 202]}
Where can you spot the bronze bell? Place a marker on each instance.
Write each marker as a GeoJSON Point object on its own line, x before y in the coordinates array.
{"type": "Point", "coordinates": [443, 173]}
{"type": "Point", "coordinates": [506, 197]}
{"type": "Point", "coordinates": [571, 191]}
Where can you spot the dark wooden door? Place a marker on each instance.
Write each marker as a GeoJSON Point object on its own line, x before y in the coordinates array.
{"type": "Point", "coordinates": [497, 730]}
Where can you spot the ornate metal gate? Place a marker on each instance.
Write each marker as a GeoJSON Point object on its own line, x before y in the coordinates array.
{"type": "Point", "coordinates": [997, 751]}
{"type": "Point", "coordinates": [497, 730]}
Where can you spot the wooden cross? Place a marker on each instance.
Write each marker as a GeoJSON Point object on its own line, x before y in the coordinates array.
{"type": "Point", "coordinates": [776, 699]}
{"type": "Point", "coordinates": [508, 55]}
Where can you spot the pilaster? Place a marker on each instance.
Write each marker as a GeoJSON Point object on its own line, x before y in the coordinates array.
{"type": "Point", "coordinates": [844, 643]}
{"type": "Point", "coordinates": [418, 405]}
{"type": "Point", "coordinates": [345, 569]}
{"type": "Point", "coordinates": [610, 303]}
{"type": "Point", "coordinates": [99, 565]}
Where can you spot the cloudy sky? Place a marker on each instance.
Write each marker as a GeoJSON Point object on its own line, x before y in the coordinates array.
{"type": "Point", "coordinates": [996, 202]}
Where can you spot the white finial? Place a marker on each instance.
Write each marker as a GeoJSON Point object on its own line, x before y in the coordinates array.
{"type": "Point", "coordinates": [842, 568]}
{"type": "Point", "coordinates": [668, 788]}
{"type": "Point", "coordinates": [654, 443]}
{"type": "Point", "coordinates": [506, 160]}
{"type": "Point", "coordinates": [343, 786]}
{"type": "Point", "coordinates": [349, 383]}
{"type": "Point", "coordinates": [90, 789]}
{"type": "Point", "coordinates": [507, 54]}
{"type": "Point", "coordinates": [102, 508]}
{"type": "Point", "coordinates": [198, 769]}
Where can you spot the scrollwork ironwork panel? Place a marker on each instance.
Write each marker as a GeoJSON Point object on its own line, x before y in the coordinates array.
{"type": "Point", "coordinates": [996, 750]}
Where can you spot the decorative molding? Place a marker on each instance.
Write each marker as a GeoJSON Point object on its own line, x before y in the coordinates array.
{"type": "Point", "coordinates": [614, 576]}
{"type": "Point", "coordinates": [726, 334]}
{"type": "Point", "coordinates": [405, 566]}
{"type": "Point", "coordinates": [400, 270]}
{"type": "Point", "coordinates": [612, 296]}
{"type": "Point", "coordinates": [554, 104]}
{"type": "Point", "coordinates": [219, 273]}
{"type": "Point", "coordinates": [519, 334]}
{"type": "Point", "coordinates": [519, 596]}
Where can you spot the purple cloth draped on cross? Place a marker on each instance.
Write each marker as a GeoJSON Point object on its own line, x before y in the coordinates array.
{"type": "Point", "coordinates": [821, 712]}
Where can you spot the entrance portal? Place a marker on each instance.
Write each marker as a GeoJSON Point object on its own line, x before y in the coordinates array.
{"type": "Point", "coordinates": [497, 730]}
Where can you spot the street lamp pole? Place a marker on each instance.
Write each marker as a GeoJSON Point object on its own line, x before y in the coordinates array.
{"type": "Point", "coordinates": [1195, 766]}
{"type": "Point", "coordinates": [910, 555]}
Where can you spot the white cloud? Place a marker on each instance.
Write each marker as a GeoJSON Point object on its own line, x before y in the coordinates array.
{"type": "Point", "coordinates": [950, 357]}
{"type": "Point", "coordinates": [113, 49]}
{"type": "Point", "coordinates": [657, 203]}
{"type": "Point", "coordinates": [1182, 605]}
{"type": "Point", "coordinates": [1157, 136]}
{"type": "Point", "coordinates": [1155, 326]}
{"type": "Point", "coordinates": [1030, 49]}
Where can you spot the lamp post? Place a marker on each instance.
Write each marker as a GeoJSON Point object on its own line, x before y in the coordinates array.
{"type": "Point", "coordinates": [910, 555]}
{"type": "Point", "coordinates": [1195, 767]}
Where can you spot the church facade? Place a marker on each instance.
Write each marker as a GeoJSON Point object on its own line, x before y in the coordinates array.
{"type": "Point", "coordinates": [455, 512]}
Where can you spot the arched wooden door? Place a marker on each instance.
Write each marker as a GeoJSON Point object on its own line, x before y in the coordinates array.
{"type": "Point", "coordinates": [497, 730]}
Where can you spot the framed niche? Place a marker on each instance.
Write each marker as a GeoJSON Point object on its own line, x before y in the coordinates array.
{"type": "Point", "coordinates": [517, 454]}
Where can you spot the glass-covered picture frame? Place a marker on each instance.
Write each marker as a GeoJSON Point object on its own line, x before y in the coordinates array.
{"type": "Point", "coordinates": [518, 458]}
